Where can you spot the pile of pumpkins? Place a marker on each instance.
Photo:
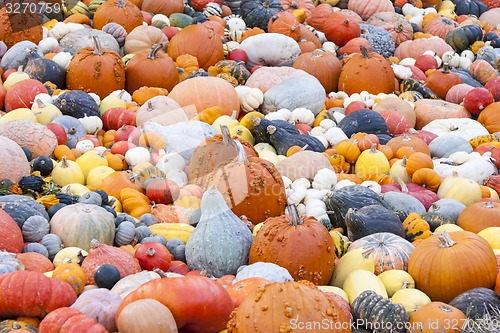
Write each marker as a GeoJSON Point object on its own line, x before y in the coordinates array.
{"type": "Point", "coordinates": [250, 166]}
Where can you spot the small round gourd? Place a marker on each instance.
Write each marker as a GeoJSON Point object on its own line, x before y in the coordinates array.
{"type": "Point", "coordinates": [43, 164]}
{"type": "Point", "coordinates": [142, 232]}
{"type": "Point", "coordinates": [72, 274]}
{"type": "Point", "coordinates": [34, 228]}
{"type": "Point", "coordinates": [148, 219]}
{"type": "Point", "coordinates": [155, 238]}
{"type": "Point", "coordinates": [106, 276]}
{"type": "Point", "coordinates": [53, 244]}
{"type": "Point", "coordinates": [91, 198]}
{"type": "Point", "coordinates": [125, 233]}
{"type": "Point", "coordinates": [177, 248]}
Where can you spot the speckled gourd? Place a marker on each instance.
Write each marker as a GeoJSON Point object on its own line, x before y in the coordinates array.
{"type": "Point", "coordinates": [221, 242]}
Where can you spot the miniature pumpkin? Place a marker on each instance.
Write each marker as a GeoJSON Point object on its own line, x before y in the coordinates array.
{"type": "Point", "coordinates": [71, 274]}
{"type": "Point", "coordinates": [440, 254]}
{"type": "Point", "coordinates": [108, 74]}
{"type": "Point", "coordinates": [142, 38]}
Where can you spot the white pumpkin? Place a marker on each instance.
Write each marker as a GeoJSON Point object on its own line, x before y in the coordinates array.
{"type": "Point", "coordinates": [92, 124]}
{"type": "Point", "coordinates": [59, 30]}
{"type": "Point", "coordinates": [63, 59]}
{"type": "Point", "coordinates": [48, 44]}
{"type": "Point", "coordinates": [343, 183]}
{"type": "Point", "coordinates": [463, 127]}
{"type": "Point", "coordinates": [325, 179]}
{"type": "Point", "coordinates": [313, 194]}
{"type": "Point", "coordinates": [259, 52]}
{"type": "Point", "coordinates": [330, 47]}
{"type": "Point", "coordinates": [261, 146]}
{"type": "Point", "coordinates": [476, 167]}
{"type": "Point", "coordinates": [171, 161]}
{"type": "Point", "coordinates": [315, 208]}
{"type": "Point", "coordinates": [374, 186]}
{"type": "Point", "coordinates": [401, 72]}
{"type": "Point", "coordinates": [236, 24]}
{"type": "Point", "coordinates": [334, 135]}
{"type": "Point", "coordinates": [178, 176]}
{"type": "Point", "coordinates": [252, 99]}
{"type": "Point", "coordinates": [302, 182]}
{"type": "Point", "coordinates": [137, 155]}
{"type": "Point", "coordinates": [286, 181]}
{"type": "Point", "coordinates": [84, 146]}
{"type": "Point", "coordinates": [303, 116]}
{"type": "Point", "coordinates": [326, 124]}
{"type": "Point", "coordinates": [295, 194]}
{"type": "Point", "coordinates": [160, 18]}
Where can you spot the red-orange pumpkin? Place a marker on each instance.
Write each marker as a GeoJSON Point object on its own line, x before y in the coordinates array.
{"type": "Point", "coordinates": [340, 28]}
{"type": "Point", "coordinates": [36, 262]}
{"type": "Point", "coordinates": [284, 23]}
{"type": "Point", "coordinates": [12, 238]}
{"type": "Point", "coordinates": [323, 65]}
{"type": "Point", "coordinates": [163, 7]}
{"type": "Point", "coordinates": [122, 12]}
{"type": "Point", "coordinates": [67, 319]}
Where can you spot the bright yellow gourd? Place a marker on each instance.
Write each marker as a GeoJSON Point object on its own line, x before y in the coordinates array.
{"type": "Point", "coordinates": [91, 160]}
{"type": "Point", "coordinates": [67, 172]}
{"type": "Point", "coordinates": [115, 203]}
{"type": "Point", "coordinates": [188, 201]}
{"type": "Point", "coordinates": [15, 77]}
{"type": "Point", "coordinates": [134, 202]}
{"type": "Point", "coordinates": [70, 254]}
{"type": "Point", "coordinates": [341, 243]}
{"type": "Point", "coordinates": [180, 231]}
{"type": "Point", "coordinates": [45, 112]}
{"type": "Point", "coordinates": [361, 280]}
{"type": "Point", "coordinates": [492, 236]}
{"type": "Point", "coordinates": [396, 279]}
{"type": "Point", "coordinates": [111, 101]}
{"type": "Point", "coordinates": [371, 161]}
{"type": "Point", "coordinates": [247, 119]}
{"type": "Point", "coordinates": [96, 175]}
{"type": "Point", "coordinates": [353, 260]}
{"type": "Point", "coordinates": [243, 133]}
{"type": "Point", "coordinates": [462, 189]}
{"type": "Point", "coordinates": [75, 189]}
{"type": "Point", "coordinates": [72, 274]}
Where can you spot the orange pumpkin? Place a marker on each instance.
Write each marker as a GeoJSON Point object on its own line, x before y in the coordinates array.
{"type": "Point", "coordinates": [319, 15]}
{"type": "Point", "coordinates": [418, 160]}
{"type": "Point", "coordinates": [166, 8]}
{"type": "Point", "coordinates": [107, 74]}
{"type": "Point", "coordinates": [151, 69]}
{"type": "Point", "coordinates": [141, 95]}
{"type": "Point", "coordinates": [427, 178]}
{"type": "Point", "coordinates": [117, 181]}
{"type": "Point", "coordinates": [437, 317]}
{"type": "Point", "coordinates": [349, 149]}
{"type": "Point", "coordinates": [367, 71]}
{"type": "Point", "coordinates": [122, 12]}
{"type": "Point", "coordinates": [408, 141]}
{"type": "Point", "coordinates": [340, 28]}
{"type": "Point", "coordinates": [480, 215]}
{"type": "Point", "coordinates": [440, 81]}
{"type": "Point", "coordinates": [284, 23]}
{"type": "Point", "coordinates": [21, 26]}
{"type": "Point", "coordinates": [490, 117]}
{"type": "Point", "coordinates": [427, 110]}
{"type": "Point", "coordinates": [200, 41]}
{"type": "Point", "coordinates": [241, 289]}
{"type": "Point", "coordinates": [323, 65]}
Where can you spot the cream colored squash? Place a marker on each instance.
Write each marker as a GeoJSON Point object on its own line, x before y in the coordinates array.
{"type": "Point", "coordinates": [449, 227]}
{"type": "Point", "coordinates": [18, 114]}
{"type": "Point", "coordinates": [351, 261]}
{"type": "Point", "coordinates": [396, 279]}
{"type": "Point", "coordinates": [411, 299]}
{"type": "Point", "coordinates": [462, 189]}
{"type": "Point", "coordinates": [72, 254]}
{"type": "Point", "coordinates": [361, 280]}
{"type": "Point", "coordinates": [477, 168]}
{"type": "Point", "coordinates": [283, 52]}
{"type": "Point", "coordinates": [335, 290]}
{"type": "Point", "coordinates": [492, 236]}
{"type": "Point", "coordinates": [463, 127]}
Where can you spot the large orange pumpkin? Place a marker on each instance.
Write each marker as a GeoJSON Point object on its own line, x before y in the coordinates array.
{"type": "Point", "coordinates": [206, 91]}
{"type": "Point", "coordinates": [18, 27]}
{"type": "Point", "coordinates": [277, 241]}
{"type": "Point", "coordinates": [367, 71]}
{"type": "Point", "coordinates": [251, 186]}
{"type": "Point", "coordinates": [122, 12]}
{"type": "Point", "coordinates": [163, 7]}
{"type": "Point", "coordinates": [323, 65]}
{"type": "Point", "coordinates": [152, 68]}
{"type": "Point", "coordinates": [284, 23]}
{"type": "Point", "coordinates": [445, 265]}
{"type": "Point", "coordinates": [96, 70]}
{"type": "Point", "coordinates": [200, 41]}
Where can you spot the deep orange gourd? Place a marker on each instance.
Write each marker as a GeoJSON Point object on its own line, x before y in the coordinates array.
{"type": "Point", "coordinates": [123, 12]}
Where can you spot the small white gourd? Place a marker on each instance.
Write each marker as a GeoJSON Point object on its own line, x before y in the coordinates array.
{"type": "Point", "coordinates": [313, 194]}
{"type": "Point", "coordinates": [286, 181]}
{"type": "Point", "coordinates": [137, 155]}
{"type": "Point", "coordinates": [236, 23]}
{"type": "Point", "coordinates": [343, 183]}
{"type": "Point", "coordinates": [318, 130]}
{"type": "Point", "coordinates": [374, 186]}
{"type": "Point", "coordinates": [301, 209]}
{"type": "Point", "coordinates": [334, 135]}
{"type": "Point", "coordinates": [160, 17]}
{"type": "Point", "coordinates": [48, 44]}
{"type": "Point", "coordinates": [303, 116]}
{"type": "Point", "coordinates": [330, 47]}
{"type": "Point", "coordinates": [72, 27]}
{"type": "Point", "coordinates": [460, 157]}
{"type": "Point", "coordinates": [302, 182]}
{"type": "Point", "coordinates": [177, 176]}
{"type": "Point", "coordinates": [401, 72]}
{"type": "Point", "coordinates": [315, 208]}
{"type": "Point", "coordinates": [326, 124]}
{"type": "Point", "coordinates": [59, 30]}
{"type": "Point", "coordinates": [92, 124]}
{"type": "Point", "coordinates": [262, 146]}
{"type": "Point", "coordinates": [295, 195]}
{"type": "Point", "coordinates": [322, 139]}
{"type": "Point", "coordinates": [63, 59]}
{"type": "Point", "coordinates": [468, 54]}
{"type": "Point", "coordinates": [252, 99]}
{"type": "Point", "coordinates": [465, 63]}
{"type": "Point", "coordinates": [84, 146]}
{"type": "Point", "coordinates": [407, 62]}
{"type": "Point", "coordinates": [96, 98]}
{"type": "Point", "coordinates": [325, 179]}
{"type": "Point", "coordinates": [171, 161]}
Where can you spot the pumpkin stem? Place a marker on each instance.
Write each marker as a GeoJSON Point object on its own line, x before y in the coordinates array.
{"type": "Point", "coordinates": [405, 160]}
{"type": "Point", "coordinates": [446, 68]}
{"type": "Point", "coordinates": [151, 252]}
{"type": "Point", "coordinates": [154, 50]}
{"type": "Point", "coordinates": [94, 243]}
{"type": "Point", "coordinates": [20, 69]}
{"type": "Point", "coordinates": [161, 273]}
{"type": "Point", "coordinates": [97, 45]}
{"type": "Point", "coordinates": [39, 103]}
{"type": "Point", "coordinates": [16, 325]}
{"type": "Point", "coordinates": [242, 156]}
{"type": "Point", "coordinates": [226, 136]}
{"type": "Point", "coordinates": [373, 148]}
{"type": "Point", "coordinates": [233, 115]}
{"type": "Point", "coordinates": [293, 213]}
{"type": "Point", "coordinates": [488, 204]}
{"type": "Point", "coordinates": [401, 183]}
{"type": "Point", "coordinates": [121, 3]}
{"type": "Point", "coordinates": [406, 285]}
{"type": "Point", "coordinates": [271, 129]}
{"type": "Point", "coordinates": [446, 240]}
{"type": "Point", "coordinates": [256, 121]}
{"type": "Point", "coordinates": [150, 106]}
{"type": "Point", "coordinates": [64, 162]}
{"type": "Point", "coordinates": [364, 52]}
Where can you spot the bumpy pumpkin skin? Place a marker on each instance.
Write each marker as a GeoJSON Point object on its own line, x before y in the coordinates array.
{"type": "Point", "coordinates": [282, 306]}
{"type": "Point", "coordinates": [13, 28]}
{"type": "Point", "coordinates": [17, 290]}
{"type": "Point", "coordinates": [276, 242]}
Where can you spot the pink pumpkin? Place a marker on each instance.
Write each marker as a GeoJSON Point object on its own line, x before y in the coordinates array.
{"type": "Point", "coordinates": [396, 121]}
{"type": "Point", "coordinates": [457, 93]}
{"type": "Point", "coordinates": [426, 62]}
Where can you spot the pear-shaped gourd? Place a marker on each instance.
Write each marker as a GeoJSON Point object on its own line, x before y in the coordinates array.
{"type": "Point", "coordinates": [221, 242]}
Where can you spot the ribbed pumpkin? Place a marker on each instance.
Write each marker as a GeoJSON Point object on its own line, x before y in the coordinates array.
{"type": "Point", "coordinates": [67, 319]}
{"type": "Point", "coordinates": [100, 254]}
{"type": "Point", "coordinates": [247, 183]}
{"type": "Point", "coordinates": [163, 7]}
{"type": "Point", "coordinates": [157, 318]}
{"type": "Point", "coordinates": [322, 65]}
{"type": "Point", "coordinates": [388, 250]}
{"type": "Point", "coordinates": [366, 9]}
{"type": "Point", "coordinates": [151, 69]}
{"type": "Point", "coordinates": [367, 71]}
{"type": "Point", "coordinates": [273, 307]}
{"type": "Point", "coordinates": [12, 239]}
{"type": "Point", "coordinates": [213, 151]}
{"type": "Point", "coordinates": [101, 305]}
{"type": "Point", "coordinates": [117, 181]}
{"type": "Point", "coordinates": [275, 242]}
{"type": "Point", "coordinates": [441, 256]}
{"type": "Point", "coordinates": [36, 262]}
{"type": "Point", "coordinates": [396, 24]}
{"type": "Point", "coordinates": [200, 41]}
{"type": "Point", "coordinates": [215, 92]}
{"type": "Point", "coordinates": [122, 12]}
{"type": "Point", "coordinates": [480, 215]}
{"type": "Point", "coordinates": [18, 288]}
{"type": "Point", "coordinates": [205, 294]}
{"type": "Point", "coordinates": [79, 223]}
{"type": "Point", "coordinates": [97, 70]}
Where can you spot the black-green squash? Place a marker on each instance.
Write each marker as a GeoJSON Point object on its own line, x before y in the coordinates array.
{"type": "Point", "coordinates": [256, 13]}
{"type": "Point", "coordinates": [260, 125]}
{"type": "Point", "coordinates": [43, 164]}
{"type": "Point", "coordinates": [77, 104]}
{"type": "Point", "coordinates": [282, 141]}
{"type": "Point", "coordinates": [354, 196]}
{"type": "Point", "coordinates": [462, 38]}
{"type": "Point", "coordinates": [236, 69]}
{"type": "Point", "coordinates": [436, 219]}
{"type": "Point", "coordinates": [476, 302]}
{"type": "Point", "coordinates": [21, 207]}
{"type": "Point", "coordinates": [366, 121]}
{"type": "Point", "coordinates": [469, 7]}
{"type": "Point", "coordinates": [30, 184]}
{"type": "Point", "coordinates": [415, 85]}
{"type": "Point", "coordinates": [374, 311]}
{"type": "Point", "coordinates": [43, 70]}
{"type": "Point", "coordinates": [370, 220]}
{"type": "Point", "coordinates": [106, 276]}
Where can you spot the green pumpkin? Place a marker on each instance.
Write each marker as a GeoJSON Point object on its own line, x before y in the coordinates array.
{"type": "Point", "coordinates": [79, 223]}
{"type": "Point", "coordinates": [20, 208]}
{"type": "Point", "coordinates": [256, 13]}
{"type": "Point", "coordinates": [180, 20]}
{"type": "Point", "coordinates": [77, 104]}
{"type": "Point", "coordinates": [462, 38]}
{"type": "Point", "coordinates": [236, 69]}
{"type": "Point", "coordinates": [371, 308]}
{"type": "Point", "coordinates": [282, 141]}
{"type": "Point", "coordinates": [436, 219]}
